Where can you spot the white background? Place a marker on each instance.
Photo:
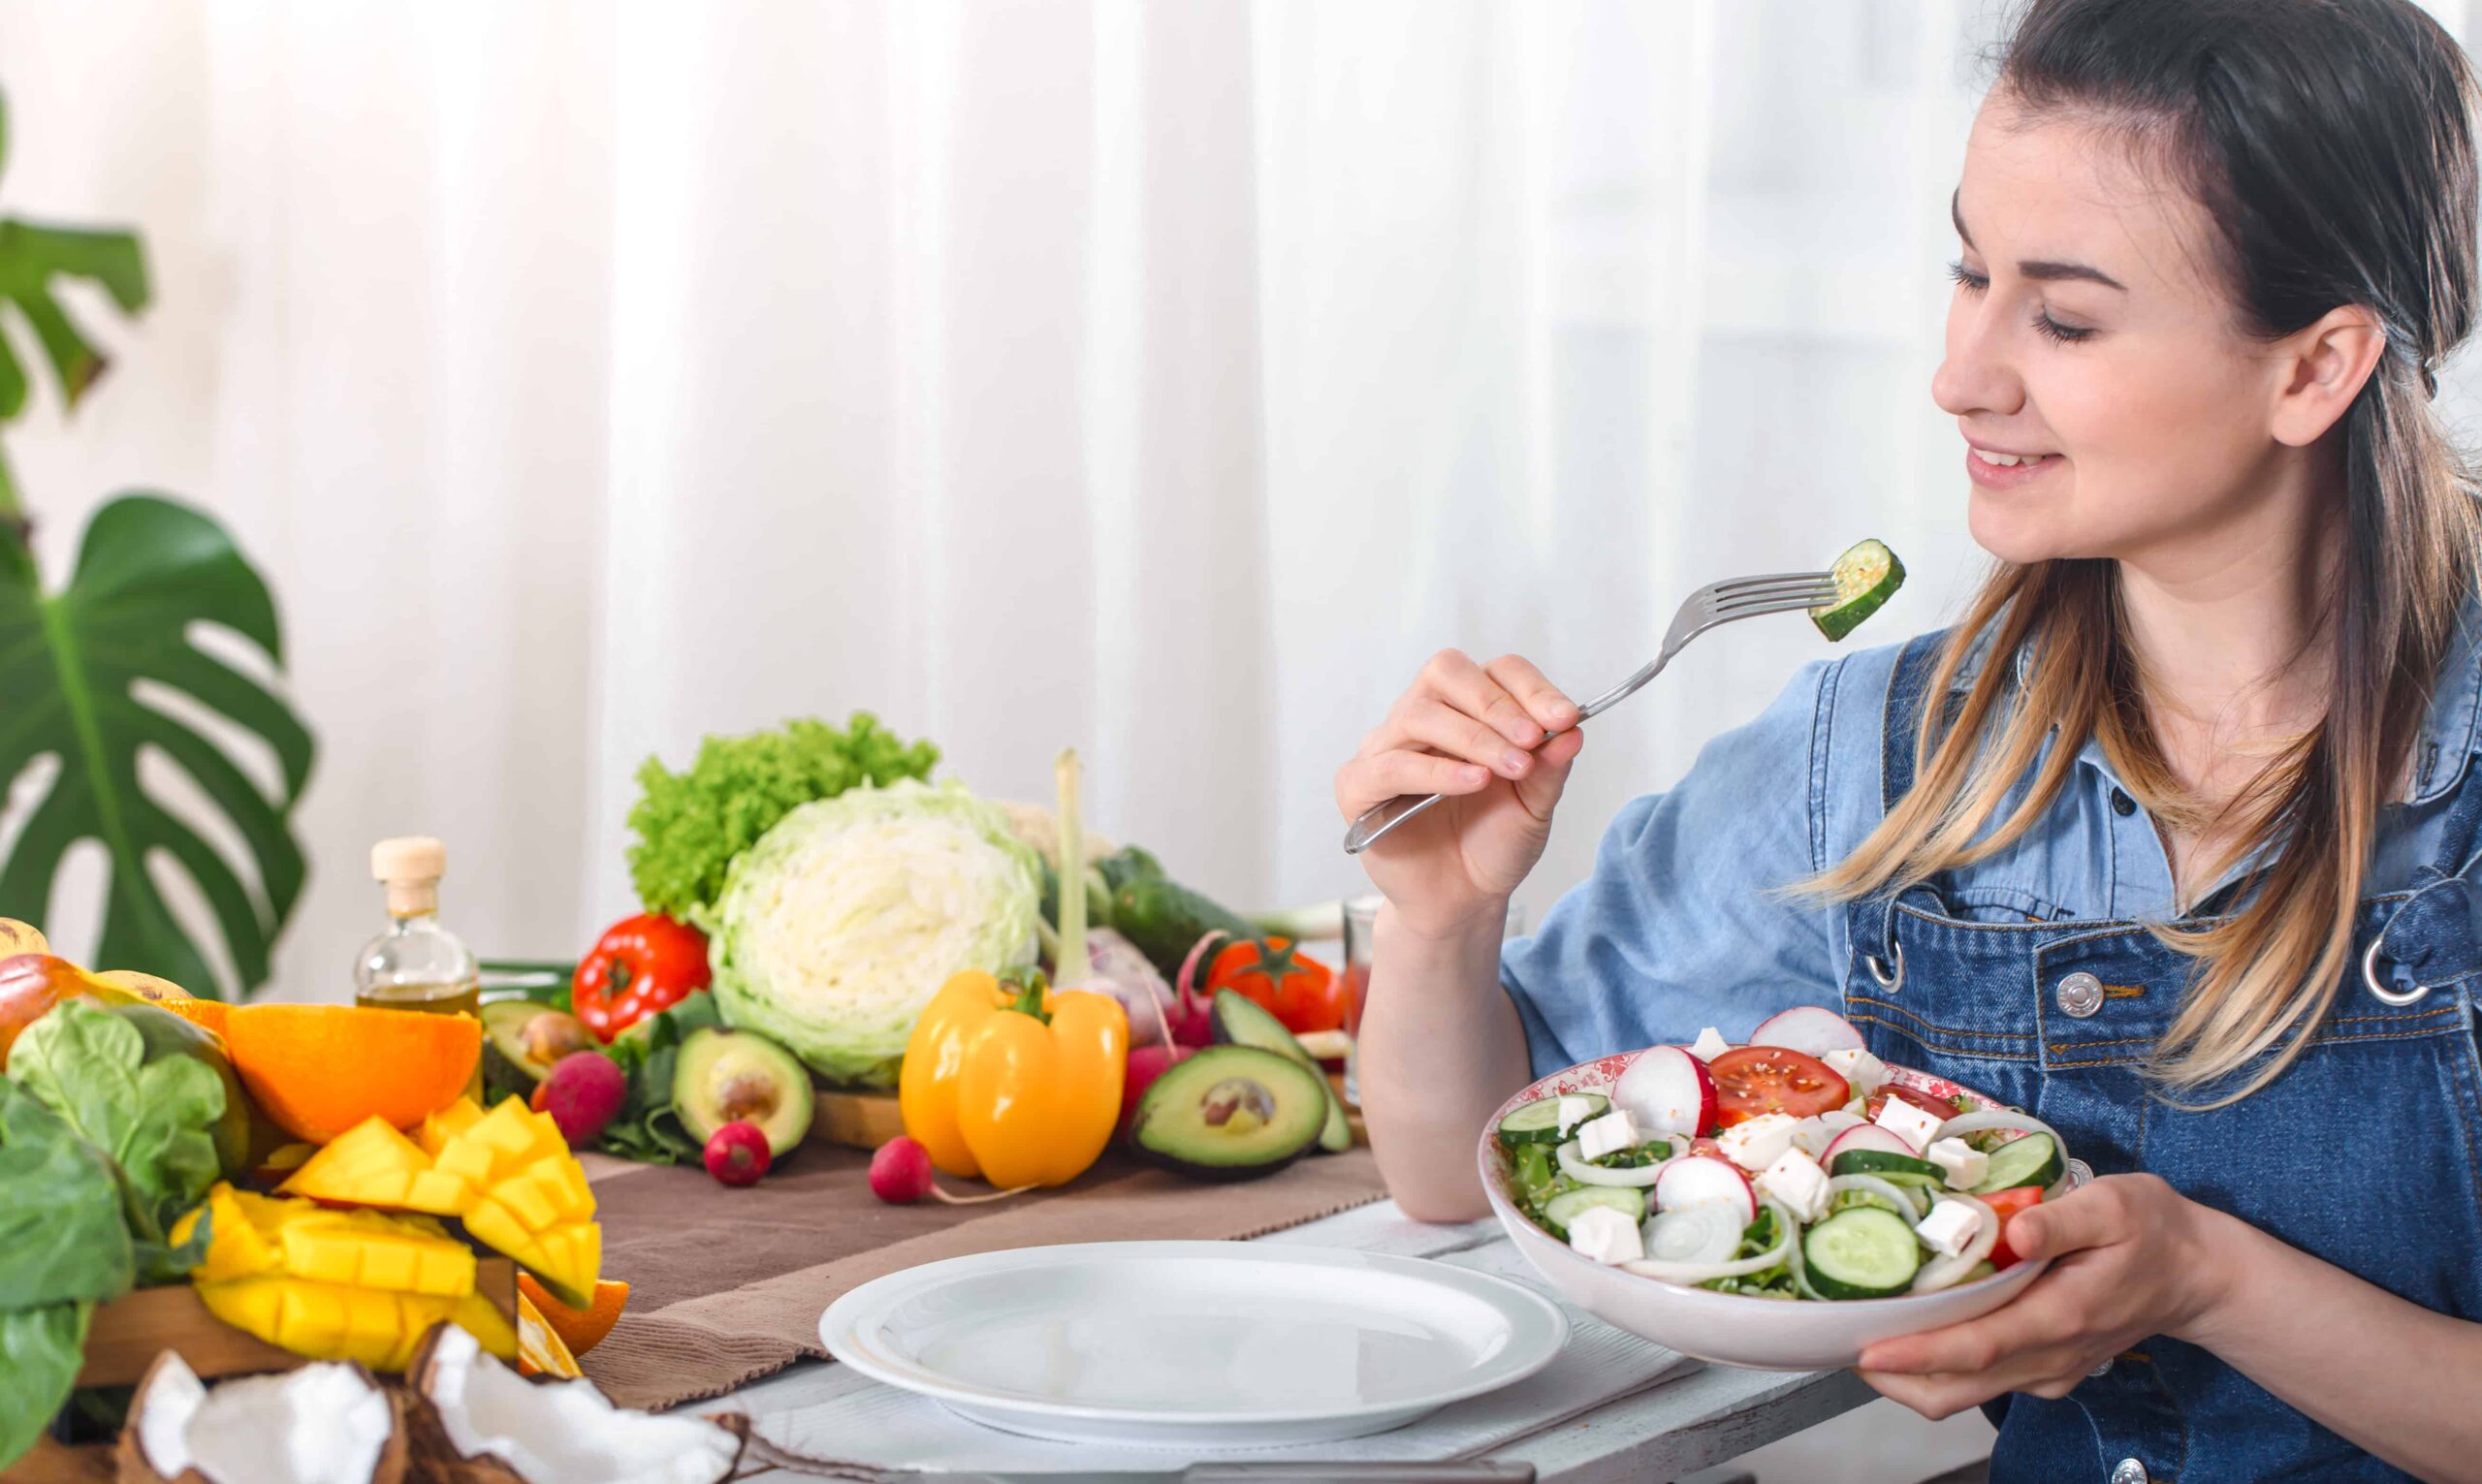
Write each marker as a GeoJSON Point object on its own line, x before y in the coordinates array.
{"type": "Point", "coordinates": [1168, 380]}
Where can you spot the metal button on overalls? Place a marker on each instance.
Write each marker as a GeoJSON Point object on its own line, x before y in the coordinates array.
{"type": "Point", "coordinates": [2129, 1472]}
{"type": "Point", "coordinates": [2080, 994]}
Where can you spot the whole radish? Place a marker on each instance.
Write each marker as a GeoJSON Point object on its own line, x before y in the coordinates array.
{"type": "Point", "coordinates": [737, 1154]}
{"type": "Point", "coordinates": [901, 1175]}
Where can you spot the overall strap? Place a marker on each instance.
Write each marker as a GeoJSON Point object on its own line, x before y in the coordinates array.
{"type": "Point", "coordinates": [2435, 937]}
{"type": "Point", "coordinates": [1908, 691]}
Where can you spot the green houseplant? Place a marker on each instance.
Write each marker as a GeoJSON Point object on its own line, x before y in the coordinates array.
{"type": "Point", "coordinates": [83, 666]}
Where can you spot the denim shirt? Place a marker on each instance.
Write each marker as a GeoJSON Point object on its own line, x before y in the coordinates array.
{"type": "Point", "coordinates": [1686, 923]}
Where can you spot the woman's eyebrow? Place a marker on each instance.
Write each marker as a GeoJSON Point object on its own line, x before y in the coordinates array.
{"type": "Point", "coordinates": [2041, 270]}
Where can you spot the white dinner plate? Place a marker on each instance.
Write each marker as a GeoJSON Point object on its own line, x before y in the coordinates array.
{"type": "Point", "coordinates": [1226, 1343]}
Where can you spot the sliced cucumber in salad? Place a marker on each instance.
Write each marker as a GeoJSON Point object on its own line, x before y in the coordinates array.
{"type": "Point", "coordinates": [2032, 1160]}
{"type": "Point", "coordinates": [1539, 1121]}
{"type": "Point", "coordinates": [1863, 1254]}
{"type": "Point", "coordinates": [1565, 1208]}
{"type": "Point", "coordinates": [1746, 1215]}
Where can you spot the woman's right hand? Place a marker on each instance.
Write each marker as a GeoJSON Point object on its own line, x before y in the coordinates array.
{"type": "Point", "coordinates": [1467, 731]}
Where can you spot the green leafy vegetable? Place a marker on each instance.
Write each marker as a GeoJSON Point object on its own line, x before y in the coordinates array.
{"type": "Point", "coordinates": [647, 1127]}
{"type": "Point", "coordinates": [60, 1226]}
{"type": "Point", "coordinates": [152, 1119]}
{"type": "Point", "coordinates": [691, 825]}
{"type": "Point", "coordinates": [73, 664]}
{"type": "Point", "coordinates": [1775, 1282]}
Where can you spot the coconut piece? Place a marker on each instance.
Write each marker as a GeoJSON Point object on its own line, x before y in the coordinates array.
{"type": "Point", "coordinates": [328, 1423]}
{"type": "Point", "coordinates": [559, 1432]}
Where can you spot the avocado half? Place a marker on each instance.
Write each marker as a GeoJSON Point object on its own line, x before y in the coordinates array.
{"type": "Point", "coordinates": [726, 1076]}
{"type": "Point", "coordinates": [520, 1040]}
{"type": "Point", "coordinates": [1229, 1112]}
{"type": "Point", "coordinates": [1241, 1021]}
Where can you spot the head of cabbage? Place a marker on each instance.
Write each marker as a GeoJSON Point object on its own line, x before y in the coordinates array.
{"type": "Point", "coordinates": [840, 923]}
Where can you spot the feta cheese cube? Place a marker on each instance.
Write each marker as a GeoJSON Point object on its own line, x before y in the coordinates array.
{"type": "Point", "coordinates": [1607, 1135]}
{"type": "Point", "coordinates": [1914, 1125]}
{"type": "Point", "coordinates": [1606, 1235]}
{"type": "Point", "coordinates": [1755, 1143]}
{"type": "Point", "coordinates": [1571, 1112]}
{"type": "Point", "coordinates": [1795, 1179]}
{"type": "Point", "coordinates": [1965, 1164]}
{"type": "Point", "coordinates": [1865, 1073]}
{"type": "Point", "coordinates": [1709, 1044]}
{"type": "Point", "coordinates": [1949, 1225]}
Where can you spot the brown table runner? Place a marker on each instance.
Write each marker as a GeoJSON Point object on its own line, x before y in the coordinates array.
{"type": "Point", "coordinates": [727, 1285]}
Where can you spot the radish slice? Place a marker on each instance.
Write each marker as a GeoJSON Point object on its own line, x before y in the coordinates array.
{"type": "Point", "coordinates": [1572, 1165]}
{"type": "Point", "coordinates": [1667, 1090]}
{"type": "Point", "coordinates": [1700, 1181]}
{"type": "Point", "coordinates": [1807, 1029]}
{"type": "Point", "coordinates": [1884, 1188]}
{"type": "Point", "coordinates": [1871, 1137]}
{"type": "Point", "coordinates": [1944, 1272]}
{"type": "Point", "coordinates": [1700, 1234]}
{"type": "Point", "coordinates": [1787, 1233]}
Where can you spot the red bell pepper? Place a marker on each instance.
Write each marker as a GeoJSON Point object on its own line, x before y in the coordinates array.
{"type": "Point", "coordinates": [640, 965]}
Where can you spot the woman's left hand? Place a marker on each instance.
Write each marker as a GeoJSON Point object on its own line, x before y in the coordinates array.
{"type": "Point", "coordinates": [2130, 1257]}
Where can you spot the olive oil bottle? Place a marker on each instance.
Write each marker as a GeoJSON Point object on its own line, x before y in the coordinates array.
{"type": "Point", "coordinates": [417, 964]}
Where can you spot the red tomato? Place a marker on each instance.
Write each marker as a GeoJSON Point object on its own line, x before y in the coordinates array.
{"type": "Point", "coordinates": [1301, 991]}
{"type": "Point", "coordinates": [1751, 1079]}
{"type": "Point", "coordinates": [2007, 1203]}
{"type": "Point", "coordinates": [1936, 1107]}
{"type": "Point", "coordinates": [640, 965]}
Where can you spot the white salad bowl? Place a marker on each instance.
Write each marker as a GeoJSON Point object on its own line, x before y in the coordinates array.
{"type": "Point", "coordinates": [1729, 1328]}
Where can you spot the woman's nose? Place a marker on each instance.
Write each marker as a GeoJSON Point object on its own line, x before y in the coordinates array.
{"type": "Point", "coordinates": [1976, 374]}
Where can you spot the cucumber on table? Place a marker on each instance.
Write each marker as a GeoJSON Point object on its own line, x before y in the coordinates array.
{"type": "Point", "coordinates": [1865, 578]}
{"type": "Point", "coordinates": [1165, 919]}
{"type": "Point", "coordinates": [1861, 1253]}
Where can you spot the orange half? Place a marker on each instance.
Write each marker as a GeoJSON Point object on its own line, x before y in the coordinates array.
{"type": "Point", "coordinates": [580, 1329]}
{"type": "Point", "coordinates": [317, 1070]}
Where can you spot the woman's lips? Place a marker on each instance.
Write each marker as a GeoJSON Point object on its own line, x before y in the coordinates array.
{"type": "Point", "coordinates": [2000, 476]}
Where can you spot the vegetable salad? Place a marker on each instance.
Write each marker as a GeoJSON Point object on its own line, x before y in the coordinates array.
{"type": "Point", "coordinates": [1793, 1167]}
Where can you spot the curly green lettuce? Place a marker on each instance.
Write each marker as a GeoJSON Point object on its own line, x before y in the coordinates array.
{"type": "Point", "coordinates": [691, 825]}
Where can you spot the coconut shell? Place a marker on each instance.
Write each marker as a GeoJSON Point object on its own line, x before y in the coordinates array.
{"type": "Point", "coordinates": [130, 1465]}
{"type": "Point", "coordinates": [434, 1459]}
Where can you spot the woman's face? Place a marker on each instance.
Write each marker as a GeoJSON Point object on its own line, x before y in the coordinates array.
{"type": "Point", "coordinates": [2094, 353]}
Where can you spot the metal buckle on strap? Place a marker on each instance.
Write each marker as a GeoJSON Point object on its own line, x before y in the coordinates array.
{"type": "Point", "coordinates": [2399, 998]}
{"type": "Point", "coordinates": [1888, 979]}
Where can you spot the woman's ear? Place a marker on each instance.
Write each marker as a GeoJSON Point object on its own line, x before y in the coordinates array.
{"type": "Point", "coordinates": [2324, 366]}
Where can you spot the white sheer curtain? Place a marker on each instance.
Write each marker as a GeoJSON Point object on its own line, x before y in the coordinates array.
{"type": "Point", "coordinates": [1164, 379]}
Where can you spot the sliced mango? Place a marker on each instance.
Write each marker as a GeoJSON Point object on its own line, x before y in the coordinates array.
{"type": "Point", "coordinates": [507, 1173]}
{"type": "Point", "coordinates": [331, 1321]}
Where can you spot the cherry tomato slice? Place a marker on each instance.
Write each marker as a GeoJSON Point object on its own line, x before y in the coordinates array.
{"type": "Point", "coordinates": [2007, 1203]}
{"type": "Point", "coordinates": [1751, 1079]}
{"type": "Point", "coordinates": [1937, 1107]}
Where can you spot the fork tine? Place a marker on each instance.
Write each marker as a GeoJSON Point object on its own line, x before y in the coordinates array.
{"type": "Point", "coordinates": [1771, 580]}
{"type": "Point", "coordinates": [1781, 603]}
{"type": "Point", "coordinates": [1763, 594]}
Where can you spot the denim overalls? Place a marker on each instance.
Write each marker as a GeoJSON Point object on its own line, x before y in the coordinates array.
{"type": "Point", "coordinates": [2365, 1152]}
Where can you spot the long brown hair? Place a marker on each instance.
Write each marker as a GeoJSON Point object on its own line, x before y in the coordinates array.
{"type": "Point", "coordinates": [2331, 144]}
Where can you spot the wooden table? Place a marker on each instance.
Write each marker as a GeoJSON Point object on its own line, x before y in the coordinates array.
{"type": "Point", "coordinates": [1675, 1428]}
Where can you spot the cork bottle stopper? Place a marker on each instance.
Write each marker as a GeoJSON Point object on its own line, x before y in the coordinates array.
{"type": "Point", "coordinates": [411, 867]}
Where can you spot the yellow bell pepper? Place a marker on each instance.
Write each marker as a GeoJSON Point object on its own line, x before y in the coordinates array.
{"type": "Point", "coordinates": [1018, 1084]}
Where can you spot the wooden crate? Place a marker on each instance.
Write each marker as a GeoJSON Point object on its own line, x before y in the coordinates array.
{"type": "Point", "coordinates": [131, 1331]}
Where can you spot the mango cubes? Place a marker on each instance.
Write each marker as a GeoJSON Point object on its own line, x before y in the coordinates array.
{"type": "Point", "coordinates": [337, 1284]}
{"type": "Point", "coordinates": [506, 1174]}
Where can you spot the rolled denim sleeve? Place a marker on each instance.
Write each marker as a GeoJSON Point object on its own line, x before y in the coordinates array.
{"type": "Point", "coordinates": [1683, 922]}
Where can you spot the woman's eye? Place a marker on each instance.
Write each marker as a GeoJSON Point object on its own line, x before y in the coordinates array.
{"type": "Point", "coordinates": [2052, 330]}
{"type": "Point", "coordinates": [1966, 278]}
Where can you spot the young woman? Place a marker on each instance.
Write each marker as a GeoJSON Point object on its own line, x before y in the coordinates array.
{"type": "Point", "coordinates": [2171, 841]}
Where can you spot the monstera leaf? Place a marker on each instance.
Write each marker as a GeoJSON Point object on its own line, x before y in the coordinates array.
{"type": "Point", "coordinates": [31, 258]}
{"type": "Point", "coordinates": [75, 667]}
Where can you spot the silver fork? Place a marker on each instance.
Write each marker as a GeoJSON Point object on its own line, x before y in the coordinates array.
{"type": "Point", "coordinates": [1709, 607]}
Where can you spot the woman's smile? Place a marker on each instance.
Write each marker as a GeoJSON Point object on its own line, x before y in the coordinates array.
{"type": "Point", "coordinates": [1997, 468]}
